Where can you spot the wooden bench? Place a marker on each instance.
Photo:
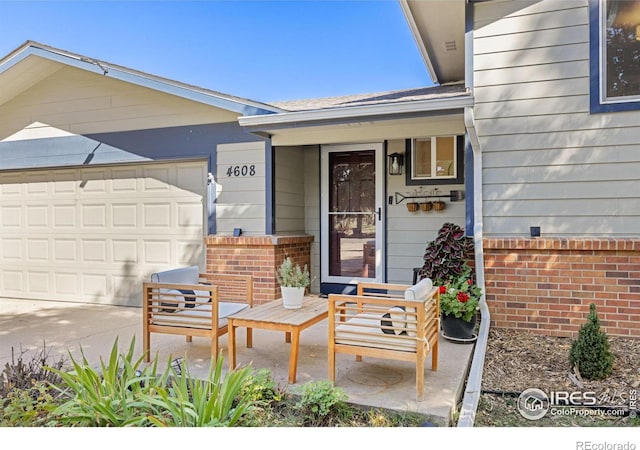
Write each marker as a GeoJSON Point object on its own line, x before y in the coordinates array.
{"type": "Point", "coordinates": [189, 303]}
{"type": "Point", "coordinates": [389, 321]}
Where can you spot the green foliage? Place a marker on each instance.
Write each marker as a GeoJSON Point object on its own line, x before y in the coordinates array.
{"type": "Point", "coordinates": [111, 396]}
{"type": "Point", "coordinates": [189, 402]}
{"type": "Point", "coordinates": [123, 392]}
{"type": "Point", "coordinates": [30, 407]}
{"type": "Point", "coordinates": [289, 275]}
{"type": "Point", "coordinates": [445, 256]}
{"type": "Point", "coordinates": [260, 388]}
{"type": "Point", "coordinates": [590, 352]}
{"type": "Point", "coordinates": [460, 296]}
{"type": "Point", "coordinates": [319, 400]}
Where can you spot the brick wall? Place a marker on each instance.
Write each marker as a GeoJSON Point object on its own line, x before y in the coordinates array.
{"type": "Point", "coordinates": [258, 256]}
{"type": "Point", "coordinates": [545, 285]}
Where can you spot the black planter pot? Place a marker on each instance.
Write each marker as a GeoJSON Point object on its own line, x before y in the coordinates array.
{"type": "Point", "coordinates": [457, 329]}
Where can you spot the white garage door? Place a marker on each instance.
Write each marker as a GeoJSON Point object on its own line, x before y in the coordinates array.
{"type": "Point", "coordinates": [94, 234]}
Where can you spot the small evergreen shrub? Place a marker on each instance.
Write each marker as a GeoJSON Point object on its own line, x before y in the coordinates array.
{"type": "Point", "coordinates": [590, 352]}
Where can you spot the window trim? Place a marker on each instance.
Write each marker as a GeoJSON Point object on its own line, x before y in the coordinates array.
{"type": "Point", "coordinates": [459, 161]}
{"type": "Point", "coordinates": [598, 103]}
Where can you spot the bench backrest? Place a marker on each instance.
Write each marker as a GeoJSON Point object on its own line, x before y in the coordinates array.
{"type": "Point", "coordinates": [182, 275]}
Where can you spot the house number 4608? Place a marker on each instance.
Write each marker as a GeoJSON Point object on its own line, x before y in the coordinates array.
{"type": "Point", "coordinates": [241, 171]}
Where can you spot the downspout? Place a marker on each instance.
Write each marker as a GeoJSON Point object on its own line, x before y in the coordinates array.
{"type": "Point", "coordinates": [471, 396]}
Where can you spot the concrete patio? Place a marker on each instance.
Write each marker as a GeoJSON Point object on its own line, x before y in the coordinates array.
{"type": "Point", "coordinates": [27, 325]}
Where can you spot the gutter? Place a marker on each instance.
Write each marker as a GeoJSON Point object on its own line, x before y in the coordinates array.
{"type": "Point", "coordinates": [350, 112]}
{"type": "Point", "coordinates": [473, 388]}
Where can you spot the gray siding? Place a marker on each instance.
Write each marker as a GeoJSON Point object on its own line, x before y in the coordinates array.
{"type": "Point", "coordinates": [289, 190]}
{"type": "Point", "coordinates": [546, 160]}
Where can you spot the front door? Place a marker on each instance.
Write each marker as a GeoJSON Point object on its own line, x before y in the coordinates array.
{"type": "Point", "coordinates": [351, 219]}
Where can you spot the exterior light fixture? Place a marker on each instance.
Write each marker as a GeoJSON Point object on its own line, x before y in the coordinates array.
{"type": "Point", "coordinates": [396, 161]}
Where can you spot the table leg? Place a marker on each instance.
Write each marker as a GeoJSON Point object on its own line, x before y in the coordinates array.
{"type": "Point", "coordinates": [232, 344]}
{"type": "Point", "coordinates": [293, 355]}
{"type": "Point", "coordinates": [287, 336]}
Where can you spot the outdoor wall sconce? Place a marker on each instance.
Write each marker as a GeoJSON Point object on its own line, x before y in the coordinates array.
{"type": "Point", "coordinates": [396, 161]}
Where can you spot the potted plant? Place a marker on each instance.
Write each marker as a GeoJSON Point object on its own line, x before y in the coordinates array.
{"type": "Point", "coordinates": [293, 282]}
{"type": "Point", "coordinates": [459, 302]}
{"type": "Point", "coordinates": [445, 263]}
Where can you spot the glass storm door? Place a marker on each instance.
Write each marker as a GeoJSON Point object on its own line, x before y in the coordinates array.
{"type": "Point", "coordinates": [351, 220]}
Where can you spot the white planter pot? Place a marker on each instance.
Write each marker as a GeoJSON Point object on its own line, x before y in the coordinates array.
{"type": "Point", "coordinates": [292, 297]}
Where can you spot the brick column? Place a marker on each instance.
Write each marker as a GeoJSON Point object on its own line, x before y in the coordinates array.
{"type": "Point", "coordinates": [545, 285]}
{"type": "Point", "coordinates": [258, 256]}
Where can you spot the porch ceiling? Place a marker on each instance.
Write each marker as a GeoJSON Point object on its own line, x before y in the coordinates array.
{"type": "Point", "coordinates": [364, 131]}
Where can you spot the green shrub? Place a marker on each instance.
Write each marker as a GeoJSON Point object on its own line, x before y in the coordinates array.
{"type": "Point", "coordinates": [110, 396]}
{"type": "Point", "coordinates": [319, 401]}
{"type": "Point", "coordinates": [31, 407]}
{"type": "Point", "coordinates": [260, 388]}
{"type": "Point", "coordinates": [190, 402]}
{"type": "Point", "coordinates": [590, 352]}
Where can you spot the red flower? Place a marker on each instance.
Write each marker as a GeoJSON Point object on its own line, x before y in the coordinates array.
{"type": "Point", "coordinates": [469, 281]}
{"type": "Point", "coordinates": [443, 289]}
{"type": "Point", "coordinates": [463, 297]}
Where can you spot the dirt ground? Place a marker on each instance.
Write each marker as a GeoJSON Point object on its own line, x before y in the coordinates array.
{"type": "Point", "coordinates": [519, 360]}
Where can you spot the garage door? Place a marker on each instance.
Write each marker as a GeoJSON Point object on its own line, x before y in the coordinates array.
{"type": "Point", "coordinates": [93, 234]}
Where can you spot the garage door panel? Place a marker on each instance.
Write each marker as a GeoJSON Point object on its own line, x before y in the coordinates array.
{"type": "Point", "coordinates": [96, 240]}
{"type": "Point", "coordinates": [13, 281]}
{"type": "Point", "coordinates": [94, 216]}
{"type": "Point", "coordinates": [11, 249]}
{"type": "Point", "coordinates": [156, 252]}
{"type": "Point", "coordinates": [156, 179]}
{"type": "Point", "coordinates": [65, 251]}
{"type": "Point", "coordinates": [37, 250]}
{"type": "Point", "coordinates": [124, 251]}
{"type": "Point", "coordinates": [37, 216]}
{"type": "Point", "coordinates": [94, 251]}
{"type": "Point", "coordinates": [157, 215]}
{"type": "Point", "coordinates": [66, 284]}
{"type": "Point", "coordinates": [11, 216]}
{"type": "Point", "coordinates": [94, 287]}
{"type": "Point", "coordinates": [38, 282]}
{"type": "Point", "coordinates": [124, 216]}
{"type": "Point", "coordinates": [189, 214]}
{"type": "Point", "coordinates": [64, 215]}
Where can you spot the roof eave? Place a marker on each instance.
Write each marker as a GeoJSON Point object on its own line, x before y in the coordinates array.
{"type": "Point", "coordinates": [415, 32]}
{"type": "Point", "coordinates": [389, 111]}
{"type": "Point", "coordinates": [138, 78]}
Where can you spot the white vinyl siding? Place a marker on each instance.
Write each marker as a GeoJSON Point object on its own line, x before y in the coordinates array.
{"type": "Point", "coordinates": [546, 161]}
{"type": "Point", "coordinates": [82, 103]}
{"type": "Point", "coordinates": [240, 201]}
{"type": "Point", "coordinates": [95, 234]}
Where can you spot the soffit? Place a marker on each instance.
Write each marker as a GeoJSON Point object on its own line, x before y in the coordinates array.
{"type": "Point", "coordinates": [438, 27]}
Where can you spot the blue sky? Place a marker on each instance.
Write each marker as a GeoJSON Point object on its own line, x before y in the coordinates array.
{"type": "Point", "coordinates": [262, 50]}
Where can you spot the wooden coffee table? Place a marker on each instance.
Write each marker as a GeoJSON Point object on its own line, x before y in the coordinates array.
{"type": "Point", "coordinates": [273, 316]}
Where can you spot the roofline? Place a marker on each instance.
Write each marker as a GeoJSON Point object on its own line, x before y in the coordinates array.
{"type": "Point", "coordinates": [404, 4]}
{"type": "Point", "coordinates": [351, 112]}
{"type": "Point", "coordinates": [205, 96]}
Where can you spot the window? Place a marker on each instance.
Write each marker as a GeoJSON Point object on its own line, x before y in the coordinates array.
{"type": "Point", "coordinates": [435, 160]}
{"type": "Point", "coordinates": [615, 52]}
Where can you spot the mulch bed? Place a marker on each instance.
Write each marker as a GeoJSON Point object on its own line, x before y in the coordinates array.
{"type": "Point", "coordinates": [518, 360]}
